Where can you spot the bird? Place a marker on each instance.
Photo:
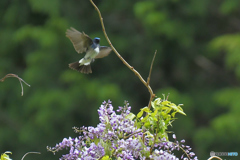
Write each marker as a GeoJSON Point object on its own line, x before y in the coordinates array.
{"type": "Point", "coordinates": [83, 43]}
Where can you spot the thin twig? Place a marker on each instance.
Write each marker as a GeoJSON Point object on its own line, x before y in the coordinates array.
{"type": "Point", "coordinates": [214, 157]}
{"type": "Point", "coordinates": [131, 135]}
{"type": "Point", "coordinates": [29, 153]}
{"type": "Point", "coordinates": [150, 71]}
{"type": "Point", "coordinates": [154, 141]}
{"type": "Point", "coordinates": [16, 76]}
{"type": "Point", "coordinates": [152, 95]}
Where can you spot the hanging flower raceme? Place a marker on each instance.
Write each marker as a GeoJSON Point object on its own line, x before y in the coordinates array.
{"type": "Point", "coordinates": [123, 136]}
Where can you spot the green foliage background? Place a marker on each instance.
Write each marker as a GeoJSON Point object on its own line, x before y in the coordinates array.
{"type": "Point", "coordinates": [198, 57]}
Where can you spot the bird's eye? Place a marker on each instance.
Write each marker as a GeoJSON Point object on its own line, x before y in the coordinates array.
{"type": "Point", "coordinates": [97, 40]}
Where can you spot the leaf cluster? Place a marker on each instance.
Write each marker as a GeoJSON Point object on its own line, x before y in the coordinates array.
{"type": "Point", "coordinates": [159, 118]}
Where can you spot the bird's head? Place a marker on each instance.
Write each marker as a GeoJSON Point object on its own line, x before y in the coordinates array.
{"type": "Point", "coordinates": [96, 40]}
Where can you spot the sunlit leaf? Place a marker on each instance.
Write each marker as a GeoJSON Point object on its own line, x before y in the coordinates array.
{"type": "Point", "coordinates": [131, 116]}
{"type": "Point", "coordinates": [177, 109]}
{"type": "Point", "coordinates": [145, 119]}
{"type": "Point", "coordinates": [147, 124]}
{"type": "Point", "coordinates": [140, 114]}
{"type": "Point", "coordinates": [155, 112]}
{"type": "Point", "coordinates": [165, 102]}
{"type": "Point", "coordinates": [173, 114]}
{"type": "Point", "coordinates": [146, 109]}
{"type": "Point", "coordinates": [106, 158]}
{"type": "Point", "coordinates": [4, 156]}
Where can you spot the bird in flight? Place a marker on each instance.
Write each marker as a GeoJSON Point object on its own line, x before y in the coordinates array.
{"type": "Point", "coordinates": [83, 43]}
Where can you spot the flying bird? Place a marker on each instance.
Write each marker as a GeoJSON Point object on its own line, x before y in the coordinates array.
{"type": "Point", "coordinates": [83, 43]}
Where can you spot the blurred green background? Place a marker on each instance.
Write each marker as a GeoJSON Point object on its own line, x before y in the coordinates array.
{"type": "Point", "coordinates": [197, 62]}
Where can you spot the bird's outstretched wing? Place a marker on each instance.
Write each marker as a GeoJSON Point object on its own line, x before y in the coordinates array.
{"type": "Point", "coordinates": [80, 41]}
{"type": "Point", "coordinates": [104, 51]}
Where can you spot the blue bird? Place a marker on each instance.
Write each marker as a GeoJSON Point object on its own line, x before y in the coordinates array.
{"type": "Point", "coordinates": [83, 43]}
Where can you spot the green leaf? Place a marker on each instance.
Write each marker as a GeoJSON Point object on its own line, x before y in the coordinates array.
{"type": "Point", "coordinates": [177, 108]}
{"type": "Point", "coordinates": [139, 124]}
{"type": "Point", "coordinates": [157, 102]}
{"type": "Point", "coordinates": [147, 124]}
{"type": "Point", "coordinates": [146, 109]}
{"type": "Point", "coordinates": [105, 158]}
{"type": "Point", "coordinates": [155, 112]}
{"type": "Point", "coordinates": [130, 116]}
{"type": "Point", "coordinates": [4, 156]}
{"type": "Point", "coordinates": [148, 134]}
{"type": "Point", "coordinates": [140, 114]}
{"type": "Point", "coordinates": [153, 105]}
{"type": "Point", "coordinates": [165, 103]}
{"type": "Point", "coordinates": [145, 119]}
{"type": "Point", "coordinates": [173, 114]}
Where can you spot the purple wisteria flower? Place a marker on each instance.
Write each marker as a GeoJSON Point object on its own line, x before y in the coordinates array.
{"type": "Point", "coordinates": [117, 136]}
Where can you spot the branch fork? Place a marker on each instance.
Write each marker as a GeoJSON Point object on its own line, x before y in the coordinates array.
{"type": "Point", "coordinates": [146, 83]}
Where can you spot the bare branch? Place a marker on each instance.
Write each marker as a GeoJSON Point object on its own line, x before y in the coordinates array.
{"type": "Point", "coordinates": [150, 71]}
{"type": "Point", "coordinates": [30, 153]}
{"type": "Point", "coordinates": [152, 95]}
{"type": "Point", "coordinates": [16, 76]}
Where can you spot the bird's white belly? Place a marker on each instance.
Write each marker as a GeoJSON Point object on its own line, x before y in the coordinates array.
{"type": "Point", "coordinates": [91, 54]}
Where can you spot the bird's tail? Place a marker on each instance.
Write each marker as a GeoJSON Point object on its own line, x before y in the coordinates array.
{"type": "Point", "coordinates": [80, 68]}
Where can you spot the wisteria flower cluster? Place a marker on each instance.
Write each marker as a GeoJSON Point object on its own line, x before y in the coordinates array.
{"type": "Point", "coordinates": [121, 136]}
